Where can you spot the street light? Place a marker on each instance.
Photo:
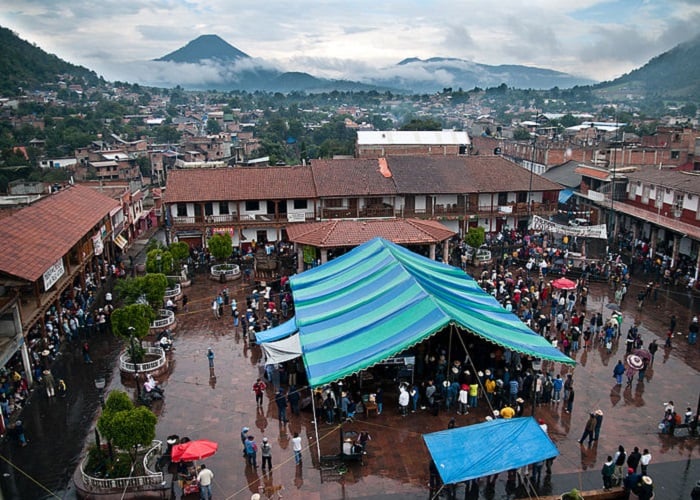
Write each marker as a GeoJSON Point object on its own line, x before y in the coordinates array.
{"type": "Point", "coordinates": [131, 330]}
{"type": "Point", "coordinates": [100, 383]}
{"type": "Point", "coordinates": [159, 258]}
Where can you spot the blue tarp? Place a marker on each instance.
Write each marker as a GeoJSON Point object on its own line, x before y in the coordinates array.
{"type": "Point", "coordinates": [565, 194]}
{"type": "Point", "coordinates": [479, 450]}
{"type": "Point", "coordinates": [279, 332]}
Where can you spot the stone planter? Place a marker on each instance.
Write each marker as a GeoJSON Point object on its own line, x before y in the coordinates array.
{"type": "Point", "coordinates": [225, 272]}
{"type": "Point", "coordinates": [156, 366]}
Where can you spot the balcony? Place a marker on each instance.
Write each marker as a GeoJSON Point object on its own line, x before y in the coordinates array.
{"type": "Point", "coordinates": [242, 219]}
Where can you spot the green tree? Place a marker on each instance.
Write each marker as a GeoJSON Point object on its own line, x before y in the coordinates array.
{"type": "Point", "coordinates": [159, 260]}
{"type": "Point", "coordinates": [134, 319]}
{"type": "Point", "coordinates": [149, 290]}
{"type": "Point", "coordinates": [125, 426]}
{"type": "Point", "coordinates": [521, 134]}
{"type": "Point", "coordinates": [179, 250]}
{"type": "Point", "coordinates": [422, 124]}
{"type": "Point", "coordinates": [475, 237]}
{"type": "Point", "coordinates": [213, 127]}
{"type": "Point", "coordinates": [220, 246]}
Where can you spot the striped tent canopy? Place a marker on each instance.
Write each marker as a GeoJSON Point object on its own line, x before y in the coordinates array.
{"type": "Point", "coordinates": [380, 299]}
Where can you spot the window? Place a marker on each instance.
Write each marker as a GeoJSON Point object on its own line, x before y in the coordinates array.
{"type": "Point", "coordinates": [678, 204]}
{"type": "Point", "coordinates": [182, 209]}
{"type": "Point", "coordinates": [301, 204]}
{"type": "Point", "coordinates": [645, 194]}
{"type": "Point", "coordinates": [333, 203]}
{"type": "Point", "coordinates": [261, 236]}
{"type": "Point", "coordinates": [675, 155]}
{"type": "Point", "coordinates": [252, 206]}
{"type": "Point", "coordinates": [223, 208]}
{"type": "Point", "coordinates": [502, 198]}
{"type": "Point", "coordinates": [209, 208]}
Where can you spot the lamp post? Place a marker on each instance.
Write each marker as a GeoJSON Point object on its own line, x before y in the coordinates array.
{"type": "Point", "coordinates": [133, 361]}
{"type": "Point", "coordinates": [159, 260]}
{"type": "Point", "coordinates": [100, 383]}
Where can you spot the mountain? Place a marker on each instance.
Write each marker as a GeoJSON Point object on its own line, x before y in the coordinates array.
{"type": "Point", "coordinates": [675, 74]}
{"type": "Point", "coordinates": [206, 47]}
{"type": "Point", "coordinates": [24, 66]}
{"type": "Point", "coordinates": [433, 74]}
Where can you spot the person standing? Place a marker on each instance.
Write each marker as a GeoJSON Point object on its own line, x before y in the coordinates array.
{"type": "Point", "coordinates": [296, 447]}
{"type": "Point", "coordinates": [653, 347]}
{"type": "Point", "coordinates": [86, 353]}
{"type": "Point", "coordinates": [607, 472]}
{"type": "Point", "coordinates": [598, 423]}
{"type": "Point", "coordinates": [633, 459]}
{"type": "Point", "coordinates": [266, 453]}
{"type": "Point", "coordinates": [244, 438]}
{"type": "Point", "coordinates": [185, 300]}
{"type": "Point", "coordinates": [570, 401]}
{"type": "Point", "coordinates": [215, 308]}
{"type": "Point", "coordinates": [618, 372]}
{"type": "Point", "coordinates": [251, 451]}
{"type": "Point", "coordinates": [49, 383]}
{"type": "Point", "coordinates": [644, 461]}
{"type": "Point", "coordinates": [403, 400]}
{"type": "Point", "coordinates": [589, 431]}
{"type": "Point", "coordinates": [281, 400]}
{"type": "Point", "coordinates": [204, 479]}
{"type": "Point", "coordinates": [620, 458]}
{"type": "Point", "coordinates": [693, 331]}
{"type": "Point", "coordinates": [210, 357]}
{"type": "Point", "coordinates": [259, 389]}
{"type": "Point", "coordinates": [379, 398]}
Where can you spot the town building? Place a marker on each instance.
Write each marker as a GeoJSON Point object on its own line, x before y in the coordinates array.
{"type": "Point", "coordinates": [375, 144]}
{"type": "Point", "coordinates": [260, 203]}
{"type": "Point", "coordinates": [47, 250]}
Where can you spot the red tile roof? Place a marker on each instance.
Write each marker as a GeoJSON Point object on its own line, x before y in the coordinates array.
{"type": "Point", "coordinates": [36, 237]}
{"type": "Point", "coordinates": [595, 173]}
{"type": "Point", "coordinates": [352, 177]}
{"type": "Point", "coordinates": [351, 233]}
{"type": "Point", "coordinates": [240, 183]}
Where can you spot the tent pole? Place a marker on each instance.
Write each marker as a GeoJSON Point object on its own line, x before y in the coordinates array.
{"type": "Point", "coordinates": [313, 405]}
{"type": "Point", "coordinates": [449, 353]}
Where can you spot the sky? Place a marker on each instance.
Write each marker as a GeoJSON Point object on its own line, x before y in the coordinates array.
{"type": "Point", "coordinates": [597, 39]}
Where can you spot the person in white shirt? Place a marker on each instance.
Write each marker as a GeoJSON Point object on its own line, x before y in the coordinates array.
{"type": "Point", "coordinates": [296, 447]}
{"type": "Point", "coordinates": [204, 479]}
{"type": "Point", "coordinates": [646, 458]}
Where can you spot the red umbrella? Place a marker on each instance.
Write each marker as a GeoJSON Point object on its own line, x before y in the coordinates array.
{"type": "Point", "coordinates": [564, 284]}
{"type": "Point", "coordinates": [193, 450]}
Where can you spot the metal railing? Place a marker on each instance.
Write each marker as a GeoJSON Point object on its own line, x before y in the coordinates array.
{"type": "Point", "coordinates": [173, 292]}
{"type": "Point", "coordinates": [123, 483]}
{"type": "Point", "coordinates": [166, 318]}
{"type": "Point", "coordinates": [127, 366]}
{"type": "Point", "coordinates": [230, 270]}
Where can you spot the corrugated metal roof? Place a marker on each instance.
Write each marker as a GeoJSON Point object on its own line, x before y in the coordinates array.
{"type": "Point", "coordinates": [403, 137]}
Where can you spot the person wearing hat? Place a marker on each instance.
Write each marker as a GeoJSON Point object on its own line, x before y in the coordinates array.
{"type": "Point", "coordinates": [644, 489]}
{"type": "Point", "coordinates": [463, 400]}
{"type": "Point", "coordinates": [589, 430]}
{"type": "Point", "coordinates": [598, 423]}
{"type": "Point", "coordinates": [244, 437]}
{"type": "Point", "coordinates": [507, 412]}
{"type": "Point", "coordinates": [693, 329]}
{"type": "Point", "coordinates": [266, 453]}
{"type": "Point", "coordinates": [49, 383]}
{"type": "Point", "coordinates": [695, 494]}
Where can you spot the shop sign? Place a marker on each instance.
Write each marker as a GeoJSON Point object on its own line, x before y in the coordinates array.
{"type": "Point", "coordinates": [97, 245]}
{"type": "Point", "coordinates": [296, 217]}
{"type": "Point", "coordinates": [53, 274]}
{"type": "Point", "coordinates": [224, 230]}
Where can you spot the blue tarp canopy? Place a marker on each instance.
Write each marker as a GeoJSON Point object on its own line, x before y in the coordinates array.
{"type": "Point", "coordinates": [279, 332]}
{"type": "Point", "coordinates": [479, 450]}
{"type": "Point", "coordinates": [379, 299]}
{"type": "Point", "coordinates": [565, 194]}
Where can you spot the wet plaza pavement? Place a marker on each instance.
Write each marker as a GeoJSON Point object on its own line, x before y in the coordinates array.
{"type": "Point", "coordinates": [215, 405]}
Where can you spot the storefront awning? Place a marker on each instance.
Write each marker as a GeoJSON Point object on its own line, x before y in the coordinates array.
{"type": "Point", "coordinates": [120, 241]}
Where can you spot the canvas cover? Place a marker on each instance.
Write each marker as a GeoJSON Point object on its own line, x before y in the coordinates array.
{"type": "Point", "coordinates": [380, 299]}
{"type": "Point", "coordinates": [479, 450]}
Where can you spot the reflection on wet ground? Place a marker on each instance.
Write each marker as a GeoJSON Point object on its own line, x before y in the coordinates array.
{"type": "Point", "coordinates": [215, 404]}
